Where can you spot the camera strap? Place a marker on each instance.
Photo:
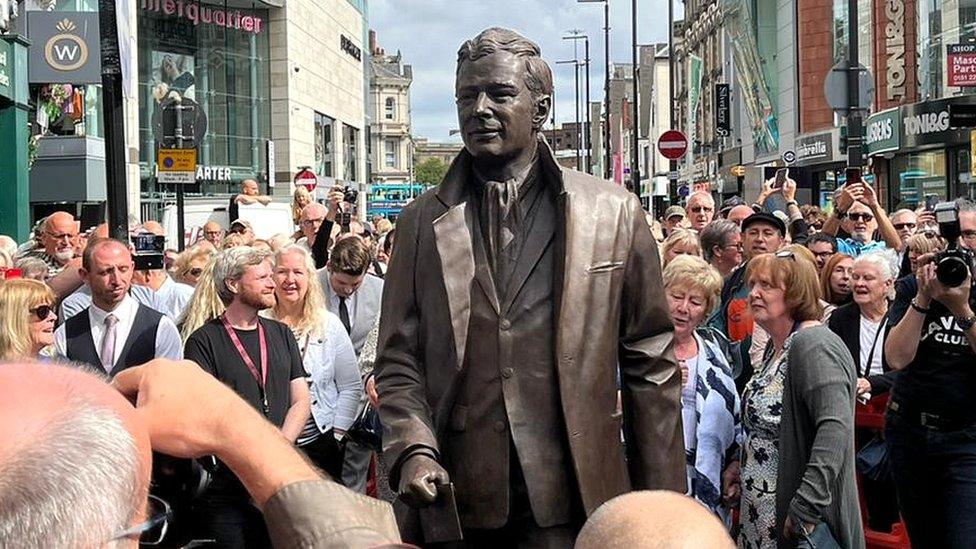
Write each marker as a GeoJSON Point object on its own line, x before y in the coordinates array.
{"type": "Point", "coordinates": [261, 377]}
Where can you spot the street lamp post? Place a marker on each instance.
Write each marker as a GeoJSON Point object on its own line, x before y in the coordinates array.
{"type": "Point", "coordinates": [587, 141]}
{"type": "Point", "coordinates": [634, 154]}
{"type": "Point", "coordinates": [576, 64]}
{"type": "Point", "coordinates": [116, 192]}
{"type": "Point", "coordinates": [607, 164]}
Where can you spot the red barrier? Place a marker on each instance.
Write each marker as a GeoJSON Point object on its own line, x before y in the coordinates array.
{"type": "Point", "coordinates": [871, 416]}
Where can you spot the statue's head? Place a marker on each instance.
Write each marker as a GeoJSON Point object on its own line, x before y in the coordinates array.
{"type": "Point", "coordinates": [503, 92]}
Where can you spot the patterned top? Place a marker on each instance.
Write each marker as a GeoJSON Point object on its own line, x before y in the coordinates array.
{"type": "Point", "coordinates": [54, 267]}
{"type": "Point", "coordinates": [763, 399]}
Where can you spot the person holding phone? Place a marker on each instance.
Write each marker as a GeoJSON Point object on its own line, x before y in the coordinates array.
{"type": "Point", "coordinates": [783, 185]}
{"type": "Point", "coordinates": [857, 202]}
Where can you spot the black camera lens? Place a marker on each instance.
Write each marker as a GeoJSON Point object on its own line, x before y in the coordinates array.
{"type": "Point", "coordinates": [951, 270]}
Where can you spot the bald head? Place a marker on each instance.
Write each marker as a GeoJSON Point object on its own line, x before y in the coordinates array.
{"type": "Point", "coordinates": [739, 213]}
{"type": "Point", "coordinates": [101, 231]}
{"type": "Point", "coordinates": [154, 227]}
{"type": "Point", "coordinates": [75, 455]}
{"type": "Point", "coordinates": [653, 520]}
{"type": "Point", "coordinates": [312, 217]}
{"type": "Point", "coordinates": [60, 236]}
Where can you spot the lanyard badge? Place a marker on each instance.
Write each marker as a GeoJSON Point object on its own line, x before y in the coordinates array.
{"type": "Point", "coordinates": [260, 376]}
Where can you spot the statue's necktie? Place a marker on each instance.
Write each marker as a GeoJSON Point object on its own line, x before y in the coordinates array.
{"type": "Point", "coordinates": [503, 219]}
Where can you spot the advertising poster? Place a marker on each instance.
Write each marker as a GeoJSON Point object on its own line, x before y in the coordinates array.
{"type": "Point", "coordinates": [172, 73]}
{"type": "Point", "coordinates": [961, 65]}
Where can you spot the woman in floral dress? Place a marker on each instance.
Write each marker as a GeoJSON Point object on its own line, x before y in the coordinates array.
{"type": "Point", "coordinates": [797, 469]}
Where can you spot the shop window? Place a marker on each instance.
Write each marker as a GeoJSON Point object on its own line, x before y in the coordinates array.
{"type": "Point", "coordinates": [350, 140]}
{"type": "Point", "coordinates": [391, 153]}
{"type": "Point", "coordinates": [324, 145]}
{"type": "Point", "coordinates": [916, 176]}
{"type": "Point", "coordinates": [390, 108]}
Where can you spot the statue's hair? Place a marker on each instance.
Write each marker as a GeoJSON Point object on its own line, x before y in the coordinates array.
{"type": "Point", "coordinates": [538, 74]}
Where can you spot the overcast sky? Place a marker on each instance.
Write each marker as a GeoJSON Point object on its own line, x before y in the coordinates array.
{"type": "Point", "coordinates": [429, 32]}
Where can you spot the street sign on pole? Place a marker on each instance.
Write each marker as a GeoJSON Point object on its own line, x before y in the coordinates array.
{"type": "Point", "coordinates": [835, 87]}
{"type": "Point", "coordinates": [672, 145]}
{"type": "Point", "coordinates": [177, 166]}
{"type": "Point", "coordinates": [738, 171]}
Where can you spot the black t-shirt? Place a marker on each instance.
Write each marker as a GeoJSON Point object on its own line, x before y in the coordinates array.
{"type": "Point", "coordinates": [941, 379]}
{"type": "Point", "coordinates": [214, 351]}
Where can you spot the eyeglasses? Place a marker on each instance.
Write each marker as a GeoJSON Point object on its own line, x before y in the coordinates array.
{"type": "Point", "coordinates": [785, 254]}
{"type": "Point", "coordinates": [42, 311]}
{"type": "Point", "coordinates": [153, 531]}
{"type": "Point", "coordinates": [310, 222]}
{"type": "Point", "coordinates": [196, 271]}
{"type": "Point", "coordinates": [700, 209]}
{"type": "Point", "coordinates": [213, 233]}
{"type": "Point", "coordinates": [860, 217]}
{"type": "Point", "coordinates": [823, 254]}
{"type": "Point", "coordinates": [900, 226]}
{"type": "Point", "coordinates": [969, 235]}
{"type": "Point", "coordinates": [61, 236]}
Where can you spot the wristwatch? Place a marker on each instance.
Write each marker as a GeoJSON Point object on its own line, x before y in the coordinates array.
{"type": "Point", "coordinates": [966, 323]}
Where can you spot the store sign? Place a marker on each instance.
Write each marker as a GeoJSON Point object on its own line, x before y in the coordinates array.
{"type": "Point", "coordinates": [895, 49]}
{"type": "Point", "coordinates": [927, 123]}
{"type": "Point", "coordinates": [201, 14]}
{"type": "Point", "coordinates": [66, 48]}
{"type": "Point", "coordinates": [723, 122]}
{"type": "Point", "coordinates": [814, 148]}
{"type": "Point", "coordinates": [6, 69]}
{"type": "Point", "coordinates": [213, 173]}
{"type": "Point", "coordinates": [350, 47]}
{"type": "Point", "coordinates": [961, 65]}
{"type": "Point", "coordinates": [883, 131]}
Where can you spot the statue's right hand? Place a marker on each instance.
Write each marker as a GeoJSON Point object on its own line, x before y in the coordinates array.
{"type": "Point", "coordinates": [419, 477]}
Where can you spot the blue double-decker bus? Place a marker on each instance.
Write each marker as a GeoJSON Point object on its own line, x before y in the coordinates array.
{"type": "Point", "coordinates": [389, 199]}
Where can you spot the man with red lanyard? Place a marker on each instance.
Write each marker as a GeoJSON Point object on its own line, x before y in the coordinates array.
{"type": "Point", "coordinates": [259, 359]}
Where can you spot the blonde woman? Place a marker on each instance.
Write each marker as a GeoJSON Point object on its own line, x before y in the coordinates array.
{"type": "Point", "coordinates": [190, 264]}
{"type": "Point", "coordinates": [680, 242]}
{"type": "Point", "coordinates": [27, 316]}
{"type": "Point", "coordinates": [300, 199]}
{"type": "Point", "coordinates": [205, 304]}
{"type": "Point", "coordinates": [327, 355]}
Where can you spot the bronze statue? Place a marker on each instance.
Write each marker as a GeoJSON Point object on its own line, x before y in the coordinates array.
{"type": "Point", "coordinates": [515, 289]}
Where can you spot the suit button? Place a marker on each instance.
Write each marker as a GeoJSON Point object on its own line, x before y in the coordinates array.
{"type": "Point", "coordinates": [499, 426]}
{"type": "Point", "coordinates": [507, 372]}
{"type": "Point", "coordinates": [506, 324]}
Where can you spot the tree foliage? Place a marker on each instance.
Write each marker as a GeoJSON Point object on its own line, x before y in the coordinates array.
{"type": "Point", "coordinates": [430, 172]}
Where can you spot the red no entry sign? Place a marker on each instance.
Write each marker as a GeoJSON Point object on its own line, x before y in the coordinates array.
{"type": "Point", "coordinates": [672, 144]}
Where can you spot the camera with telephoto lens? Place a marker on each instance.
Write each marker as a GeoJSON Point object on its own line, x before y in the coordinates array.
{"type": "Point", "coordinates": [953, 265]}
{"type": "Point", "coordinates": [147, 251]}
{"type": "Point", "coordinates": [350, 195]}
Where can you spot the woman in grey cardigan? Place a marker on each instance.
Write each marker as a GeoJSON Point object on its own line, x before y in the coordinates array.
{"type": "Point", "coordinates": [797, 470]}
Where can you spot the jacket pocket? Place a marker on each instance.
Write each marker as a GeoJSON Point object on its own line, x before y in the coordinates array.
{"type": "Point", "coordinates": [606, 267]}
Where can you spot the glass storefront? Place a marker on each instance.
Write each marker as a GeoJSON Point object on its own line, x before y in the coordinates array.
{"type": "Point", "coordinates": [941, 24]}
{"type": "Point", "coordinates": [915, 176]}
{"type": "Point", "coordinates": [865, 32]}
{"type": "Point", "coordinates": [212, 55]}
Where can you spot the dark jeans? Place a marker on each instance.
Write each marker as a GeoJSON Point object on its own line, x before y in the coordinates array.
{"type": "Point", "coordinates": [326, 453]}
{"type": "Point", "coordinates": [935, 474]}
{"type": "Point", "coordinates": [231, 521]}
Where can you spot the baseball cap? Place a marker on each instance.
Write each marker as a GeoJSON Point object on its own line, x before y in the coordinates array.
{"type": "Point", "coordinates": [764, 217]}
{"type": "Point", "coordinates": [242, 223]}
{"type": "Point", "coordinates": [673, 211]}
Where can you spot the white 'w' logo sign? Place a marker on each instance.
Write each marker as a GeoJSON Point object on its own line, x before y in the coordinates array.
{"type": "Point", "coordinates": [66, 52]}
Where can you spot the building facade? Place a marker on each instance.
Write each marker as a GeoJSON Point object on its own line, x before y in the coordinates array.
{"type": "Point", "coordinates": [391, 146]}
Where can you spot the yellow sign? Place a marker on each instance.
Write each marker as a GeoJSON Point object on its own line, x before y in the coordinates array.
{"type": "Point", "coordinates": [739, 171]}
{"type": "Point", "coordinates": [972, 152]}
{"type": "Point", "coordinates": [177, 160]}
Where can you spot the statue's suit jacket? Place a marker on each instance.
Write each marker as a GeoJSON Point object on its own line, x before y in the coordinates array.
{"type": "Point", "coordinates": [609, 308]}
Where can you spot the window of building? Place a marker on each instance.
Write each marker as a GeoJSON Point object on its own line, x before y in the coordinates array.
{"type": "Point", "coordinates": [941, 24]}
{"type": "Point", "coordinates": [324, 145]}
{"type": "Point", "coordinates": [390, 108]}
{"type": "Point", "coordinates": [918, 175]}
{"type": "Point", "coordinates": [391, 153]}
{"type": "Point", "coordinates": [350, 139]}
{"type": "Point", "coordinates": [865, 34]}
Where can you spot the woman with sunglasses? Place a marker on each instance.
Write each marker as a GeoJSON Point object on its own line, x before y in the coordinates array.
{"type": "Point", "coordinates": [797, 469]}
{"type": "Point", "coordinates": [327, 355]}
{"type": "Point", "coordinates": [190, 264]}
{"type": "Point", "coordinates": [27, 317]}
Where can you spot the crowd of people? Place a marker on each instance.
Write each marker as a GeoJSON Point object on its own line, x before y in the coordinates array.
{"type": "Point", "coordinates": [783, 322]}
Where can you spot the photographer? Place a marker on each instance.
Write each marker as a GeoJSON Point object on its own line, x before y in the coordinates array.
{"type": "Point", "coordinates": [931, 423]}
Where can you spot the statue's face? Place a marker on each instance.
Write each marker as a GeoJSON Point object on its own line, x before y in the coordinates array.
{"type": "Point", "coordinates": [495, 108]}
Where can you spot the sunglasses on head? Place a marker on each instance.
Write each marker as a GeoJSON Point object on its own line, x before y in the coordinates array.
{"type": "Point", "coordinates": [860, 216]}
{"type": "Point", "coordinates": [42, 311]}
